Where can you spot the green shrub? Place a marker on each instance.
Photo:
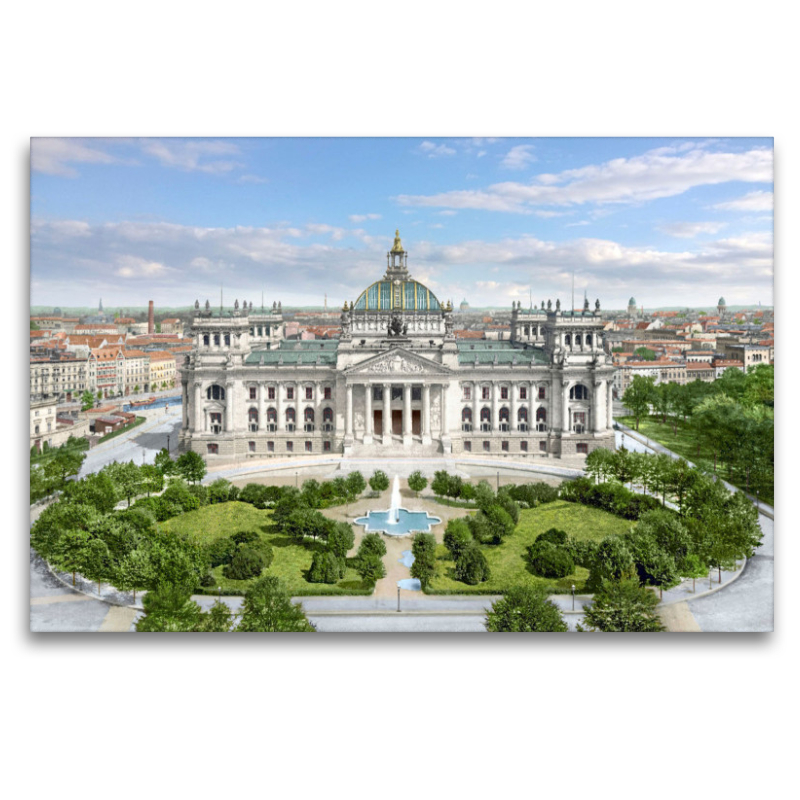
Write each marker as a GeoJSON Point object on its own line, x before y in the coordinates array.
{"type": "Point", "coordinates": [200, 492]}
{"type": "Point", "coordinates": [471, 566]}
{"type": "Point", "coordinates": [549, 560]}
{"type": "Point", "coordinates": [325, 568]}
{"type": "Point", "coordinates": [221, 551]}
{"type": "Point", "coordinates": [207, 581]}
{"type": "Point", "coordinates": [554, 536]}
{"type": "Point", "coordinates": [341, 539]}
{"type": "Point", "coordinates": [379, 482]}
{"type": "Point", "coordinates": [491, 525]}
{"type": "Point", "coordinates": [370, 567]}
{"type": "Point", "coordinates": [219, 491]}
{"type": "Point", "coordinates": [372, 544]}
{"type": "Point", "coordinates": [247, 563]}
{"type": "Point", "coordinates": [457, 537]}
{"type": "Point", "coordinates": [255, 494]}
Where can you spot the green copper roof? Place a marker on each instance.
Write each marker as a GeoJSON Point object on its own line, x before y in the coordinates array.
{"type": "Point", "coordinates": [405, 296]}
{"type": "Point", "coordinates": [312, 351]}
{"type": "Point", "coordinates": [505, 353]}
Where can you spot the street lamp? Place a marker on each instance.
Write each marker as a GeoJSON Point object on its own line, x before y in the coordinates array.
{"type": "Point", "coordinates": [295, 479]}
{"type": "Point", "coordinates": [498, 480]}
{"type": "Point", "coordinates": [398, 598]}
{"type": "Point", "coordinates": [219, 589]}
{"type": "Point", "coordinates": [758, 506]}
{"type": "Point", "coordinates": [573, 596]}
{"type": "Point", "coordinates": [168, 443]}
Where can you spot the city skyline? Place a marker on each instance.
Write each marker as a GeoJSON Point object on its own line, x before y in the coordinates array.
{"type": "Point", "coordinates": [490, 220]}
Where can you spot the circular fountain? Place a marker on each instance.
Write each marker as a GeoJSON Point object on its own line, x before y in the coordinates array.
{"type": "Point", "coordinates": [397, 521]}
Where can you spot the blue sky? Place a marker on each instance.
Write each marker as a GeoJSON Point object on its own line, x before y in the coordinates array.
{"type": "Point", "coordinates": [669, 221]}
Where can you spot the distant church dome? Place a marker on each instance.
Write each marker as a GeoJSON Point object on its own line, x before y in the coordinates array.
{"type": "Point", "coordinates": [721, 301]}
{"type": "Point", "coordinates": [464, 304]}
{"type": "Point", "coordinates": [632, 301]}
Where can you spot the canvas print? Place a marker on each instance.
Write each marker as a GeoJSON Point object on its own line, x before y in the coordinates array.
{"type": "Point", "coordinates": [401, 385]}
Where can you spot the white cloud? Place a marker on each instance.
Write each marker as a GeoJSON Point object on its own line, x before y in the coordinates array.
{"type": "Point", "coordinates": [193, 155]}
{"type": "Point", "coordinates": [136, 267]}
{"type": "Point", "coordinates": [447, 213]}
{"type": "Point", "coordinates": [435, 150]}
{"type": "Point", "coordinates": [53, 156]}
{"type": "Point", "coordinates": [251, 179]}
{"type": "Point", "coordinates": [688, 230]}
{"type": "Point", "coordinates": [622, 180]}
{"type": "Point", "coordinates": [518, 157]}
{"type": "Point", "coordinates": [363, 217]}
{"type": "Point", "coordinates": [577, 224]}
{"type": "Point", "coordinates": [752, 201]}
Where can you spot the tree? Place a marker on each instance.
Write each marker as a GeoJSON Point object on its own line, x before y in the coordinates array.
{"type": "Point", "coordinates": [550, 560]}
{"type": "Point", "coordinates": [423, 549]}
{"type": "Point", "coordinates": [169, 608]}
{"type": "Point", "coordinates": [484, 495]}
{"type": "Point", "coordinates": [135, 571]}
{"type": "Point", "coordinates": [46, 532]}
{"type": "Point", "coordinates": [65, 463]}
{"type": "Point", "coordinates": [217, 620]}
{"type": "Point", "coordinates": [499, 524]}
{"type": "Point", "coordinates": [311, 493]}
{"type": "Point", "coordinates": [379, 482]}
{"type": "Point", "coordinates": [525, 609]}
{"type": "Point", "coordinates": [440, 483]}
{"type": "Point", "coordinates": [356, 484]}
{"type": "Point", "coordinates": [97, 490]}
{"type": "Point", "coordinates": [638, 397]}
{"type": "Point", "coordinates": [370, 567]}
{"type": "Point", "coordinates": [341, 539]}
{"type": "Point", "coordinates": [126, 478]}
{"type": "Point", "coordinates": [417, 482]}
{"type": "Point", "coordinates": [623, 606]}
{"type": "Point", "coordinates": [325, 568]}
{"type": "Point", "coordinates": [267, 607]}
{"type": "Point", "coordinates": [471, 566]}
{"type": "Point", "coordinates": [612, 560]}
{"type": "Point", "coordinates": [87, 401]}
{"type": "Point", "coordinates": [219, 491]}
{"type": "Point", "coordinates": [645, 353]}
{"type": "Point", "coordinates": [71, 551]}
{"type": "Point", "coordinates": [191, 467]}
{"type": "Point", "coordinates": [457, 537]}
{"type": "Point", "coordinates": [306, 522]}
{"type": "Point", "coordinates": [163, 461]}
{"type": "Point", "coordinates": [600, 464]}
{"type": "Point", "coordinates": [136, 389]}
{"type": "Point", "coordinates": [246, 564]}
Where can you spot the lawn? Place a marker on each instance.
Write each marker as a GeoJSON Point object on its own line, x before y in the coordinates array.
{"type": "Point", "coordinates": [684, 443]}
{"type": "Point", "coordinates": [509, 561]}
{"type": "Point", "coordinates": [290, 561]}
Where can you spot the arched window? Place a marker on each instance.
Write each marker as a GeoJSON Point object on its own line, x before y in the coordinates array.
{"type": "Point", "coordinates": [527, 330]}
{"type": "Point", "coordinates": [504, 414]}
{"type": "Point", "coordinates": [272, 415]}
{"type": "Point", "coordinates": [568, 340]}
{"type": "Point", "coordinates": [291, 416]}
{"type": "Point", "coordinates": [577, 339]}
{"type": "Point", "coordinates": [588, 339]}
{"type": "Point", "coordinates": [522, 414]}
{"type": "Point", "coordinates": [206, 340]}
{"type": "Point", "coordinates": [466, 414]}
{"type": "Point", "coordinates": [579, 392]}
{"type": "Point", "coordinates": [541, 415]}
{"type": "Point", "coordinates": [308, 415]}
{"type": "Point", "coordinates": [486, 414]}
{"type": "Point", "coordinates": [252, 415]}
{"type": "Point", "coordinates": [215, 392]}
{"type": "Point", "coordinates": [327, 415]}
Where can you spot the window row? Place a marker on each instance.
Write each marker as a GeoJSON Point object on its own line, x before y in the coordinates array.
{"type": "Point", "coordinates": [486, 393]}
{"type": "Point", "coordinates": [579, 339]}
{"type": "Point", "coordinates": [213, 447]}
{"type": "Point", "coordinates": [216, 392]}
{"type": "Point", "coordinates": [504, 446]}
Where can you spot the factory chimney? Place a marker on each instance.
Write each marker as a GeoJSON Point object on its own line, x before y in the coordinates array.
{"type": "Point", "coordinates": [151, 323]}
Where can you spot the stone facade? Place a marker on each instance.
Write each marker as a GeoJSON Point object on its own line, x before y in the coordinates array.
{"type": "Point", "coordinates": [397, 380]}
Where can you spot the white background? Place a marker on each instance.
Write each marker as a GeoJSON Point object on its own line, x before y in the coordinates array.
{"type": "Point", "coordinates": [100, 716]}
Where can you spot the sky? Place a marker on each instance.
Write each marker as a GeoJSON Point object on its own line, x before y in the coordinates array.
{"type": "Point", "coordinates": [671, 222]}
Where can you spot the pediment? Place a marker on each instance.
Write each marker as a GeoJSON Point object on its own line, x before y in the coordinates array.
{"type": "Point", "coordinates": [398, 362]}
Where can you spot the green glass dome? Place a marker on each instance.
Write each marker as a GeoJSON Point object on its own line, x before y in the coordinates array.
{"type": "Point", "coordinates": [632, 301]}
{"type": "Point", "coordinates": [402, 296]}
{"type": "Point", "coordinates": [721, 301]}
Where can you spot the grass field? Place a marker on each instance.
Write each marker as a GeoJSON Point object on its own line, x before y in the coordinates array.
{"type": "Point", "coordinates": [509, 562]}
{"type": "Point", "coordinates": [684, 443]}
{"type": "Point", "coordinates": [290, 561]}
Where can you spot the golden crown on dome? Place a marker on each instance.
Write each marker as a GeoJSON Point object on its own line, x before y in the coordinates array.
{"type": "Point", "coordinates": [397, 247]}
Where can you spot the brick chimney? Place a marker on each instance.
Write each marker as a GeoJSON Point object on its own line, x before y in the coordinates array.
{"type": "Point", "coordinates": [151, 323]}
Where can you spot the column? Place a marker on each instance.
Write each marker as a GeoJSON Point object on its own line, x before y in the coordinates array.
{"type": "Point", "coordinates": [565, 408]}
{"type": "Point", "coordinates": [495, 413]}
{"type": "Point", "coordinates": [348, 411]}
{"type": "Point", "coordinates": [279, 406]}
{"type": "Point", "coordinates": [426, 413]}
{"type": "Point", "coordinates": [407, 413]}
{"type": "Point", "coordinates": [445, 421]}
{"type": "Point", "coordinates": [317, 406]}
{"type": "Point", "coordinates": [229, 408]}
{"type": "Point", "coordinates": [198, 407]}
{"type": "Point", "coordinates": [476, 411]}
{"type": "Point", "coordinates": [532, 406]}
{"type": "Point", "coordinates": [261, 411]}
{"type": "Point", "coordinates": [387, 413]}
{"type": "Point", "coordinates": [609, 404]}
{"type": "Point", "coordinates": [597, 410]}
{"type": "Point", "coordinates": [185, 404]}
{"type": "Point", "coordinates": [512, 422]}
{"type": "Point", "coordinates": [368, 418]}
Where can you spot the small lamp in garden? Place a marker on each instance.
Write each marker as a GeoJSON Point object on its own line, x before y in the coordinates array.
{"type": "Point", "coordinates": [573, 596]}
{"type": "Point", "coordinates": [498, 480]}
{"type": "Point", "coordinates": [398, 598]}
{"type": "Point", "coordinates": [296, 479]}
{"type": "Point", "coordinates": [219, 589]}
{"type": "Point", "coordinates": [758, 506]}
{"type": "Point", "coordinates": [168, 443]}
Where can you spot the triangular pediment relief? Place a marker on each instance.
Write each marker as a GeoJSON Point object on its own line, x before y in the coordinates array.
{"type": "Point", "coordinates": [398, 362]}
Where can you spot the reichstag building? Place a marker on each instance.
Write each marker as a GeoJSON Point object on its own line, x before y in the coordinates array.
{"type": "Point", "coordinates": [397, 381]}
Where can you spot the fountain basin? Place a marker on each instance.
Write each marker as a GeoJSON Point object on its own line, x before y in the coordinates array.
{"type": "Point", "coordinates": [397, 522]}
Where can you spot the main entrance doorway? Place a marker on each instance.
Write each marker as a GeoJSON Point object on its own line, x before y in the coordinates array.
{"type": "Point", "coordinates": [416, 423]}
{"type": "Point", "coordinates": [377, 422]}
{"type": "Point", "coordinates": [397, 423]}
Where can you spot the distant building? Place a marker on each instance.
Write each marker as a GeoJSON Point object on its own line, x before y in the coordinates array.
{"type": "Point", "coordinates": [632, 307]}
{"type": "Point", "coordinates": [172, 325]}
{"type": "Point", "coordinates": [721, 307]}
{"type": "Point", "coordinates": [464, 305]}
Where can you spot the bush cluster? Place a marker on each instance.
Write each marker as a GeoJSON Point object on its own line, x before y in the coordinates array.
{"type": "Point", "coordinates": [611, 497]}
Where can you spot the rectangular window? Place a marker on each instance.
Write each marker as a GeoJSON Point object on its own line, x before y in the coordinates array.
{"type": "Point", "coordinates": [484, 392]}
{"type": "Point", "coordinates": [213, 449]}
{"type": "Point", "coordinates": [523, 393]}
{"type": "Point", "coordinates": [270, 447]}
{"type": "Point", "coordinates": [523, 446]}
{"type": "Point", "coordinates": [252, 392]}
{"type": "Point", "coordinates": [308, 447]}
{"type": "Point", "coordinates": [290, 392]}
{"type": "Point", "coordinates": [397, 392]}
{"type": "Point", "coordinates": [504, 446]}
{"type": "Point", "coordinates": [504, 392]}
{"type": "Point", "coordinates": [543, 446]}
{"type": "Point", "coordinates": [486, 447]}
{"type": "Point", "coordinates": [467, 447]}
{"type": "Point", "coordinates": [251, 446]}
{"type": "Point", "coordinates": [216, 339]}
{"type": "Point", "coordinates": [467, 393]}
{"type": "Point", "coordinates": [271, 393]}
{"type": "Point", "coordinates": [377, 394]}
{"type": "Point", "coordinates": [416, 393]}
{"type": "Point", "coordinates": [327, 391]}
{"type": "Point", "coordinates": [289, 447]}
{"type": "Point", "coordinates": [326, 447]}
{"type": "Point", "coordinates": [309, 393]}
{"type": "Point", "coordinates": [227, 340]}
{"type": "Point", "coordinates": [541, 393]}
{"type": "Point", "coordinates": [582, 447]}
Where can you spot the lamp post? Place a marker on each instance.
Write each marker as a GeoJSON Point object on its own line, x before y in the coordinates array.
{"type": "Point", "coordinates": [573, 596]}
{"type": "Point", "coordinates": [398, 598]}
{"type": "Point", "coordinates": [219, 589]}
{"type": "Point", "coordinates": [758, 506]}
{"type": "Point", "coordinates": [168, 443]}
{"type": "Point", "coordinates": [296, 479]}
{"type": "Point", "coordinates": [498, 480]}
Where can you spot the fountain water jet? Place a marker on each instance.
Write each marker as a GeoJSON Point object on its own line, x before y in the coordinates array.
{"type": "Point", "coordinates": [394, 506]}
{"type": "Point", "coordinates": [397, 521]}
